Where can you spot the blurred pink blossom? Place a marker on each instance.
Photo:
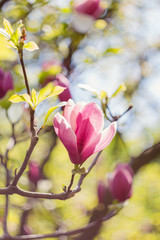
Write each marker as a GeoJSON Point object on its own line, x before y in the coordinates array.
{"type": "Point", "coordinates": [89, 7]}
{"type": "Point", "coordinates": [62, 81]}
{"type": "Point", "coordinates": [101, 191]}
{"type": "Point", "coordinates": [85, 13]}
{"type": "Point", "coordinates": [120, 182]}
{"type": "Point", "coordinates": [81, 130]}
{"type": "Point", "coordinates": [34, 172]}
{"type": "Point", "coordinates": [6, 83]}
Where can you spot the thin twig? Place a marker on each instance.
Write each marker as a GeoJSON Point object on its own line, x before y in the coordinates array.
{"type": "Point", "coordinates": [59, 234]}
{"type": "Point", "coordinates": [34, 138]}
{"type": "Point", "coordinates": [20, 52]}
{"type": "Point", "coordinates": [33, 143]}
{"type": "Point", "coordinates": [71, 182]}
{"type": "Point", "coordinates": [88, 171]}
{"type": "Point", "coordinates": [14, 189]}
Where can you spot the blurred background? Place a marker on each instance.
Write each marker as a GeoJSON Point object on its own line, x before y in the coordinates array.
{"type": "Point", "coordinates": [121, 46]}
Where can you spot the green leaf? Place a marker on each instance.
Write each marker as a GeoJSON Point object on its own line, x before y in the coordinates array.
{"type": "Point", "coordinates": [49, 91]}
{"type": "Point", "coordinates": [34, 96]}
{"type": "Point", "coordinates": [56, 91]}
{"type": "Point", "coordinates": [112, 50]}
{"type": "Point", "coordinates": [4, 33]}
{"type": "Point", "coordinates": [121, 88]}
{"type": "Point", "coordinates": [27, 99]}
{"type": "Point", "coordinates": [6, 53]}
{"type": "Point", "coordinates": [15, 36]}
{"type": "Point", "coordinates": [88, 88]}
{"type": "Point", "coordinates": [16, 98]}
{"type": "Point", "coordinates": [31, 46]}
{"type": "Point", "coordinates": [49, 113]}
{"type": "Point", "coordinates": [103, 94]}
{"type": "Point", "coordinates": [51, 110]}
{"type": "Point", "coordinates": [8, 27]}
{"type": "Point", "coordinates": [46, 90]}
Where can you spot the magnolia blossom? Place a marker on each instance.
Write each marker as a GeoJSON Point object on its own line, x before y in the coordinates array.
{"type": "Point", "coordinates": [81, 130]}
{"type": "Point", "coordinates": [34, 172]}
{"type": "Point", "coordinates": [62, 81]}
{"type": "Point", "coordinates": [89, 7]}
{"type": "Point", "coordinates": [120, 182]}
{"type": "Point", "coordinates": [85, 12]}
{"type": "Point", "coordinates": [6, 83]}
{"type": "Point", "coordinates": [101, 191]}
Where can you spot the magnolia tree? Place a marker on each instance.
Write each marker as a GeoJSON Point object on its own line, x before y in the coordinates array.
{"type": "Point", "coordinates": [50, 123]}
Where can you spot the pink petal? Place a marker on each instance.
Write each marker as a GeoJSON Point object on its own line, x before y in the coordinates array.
{"type": "Point", "coordinates": [125, 166]}
{"type": "Point", "coordinates": [88, 142]}
{"type": "Point", "coordinates": [87, 6]}
{"type": "Point", "coordinates": [7, 82]}
{"type": "Point", "coordinates": [63, 82]}
{"type": "Point", "coordinates": [89, 148]}
{"type": "Point", "coordinates": [92, 112]}
{"type": "Point", "coordinates": [68, 110]}
{"type": "Point", "coordinates": [67, 136]}
{"type": "Point", "coordinates": [73, 117]}
{"type": "Point", "coordinates": [121, 184]}
{"type": "Point", "coordinates": [106, 137]}
{"type": "Point", "coordinates": [98, 12]}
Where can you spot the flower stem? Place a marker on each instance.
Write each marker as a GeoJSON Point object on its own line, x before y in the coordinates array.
{"type": "Point", "coordinates": [20, 52]}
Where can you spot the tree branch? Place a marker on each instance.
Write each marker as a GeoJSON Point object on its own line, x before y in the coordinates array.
{"type": "Point", "coordinates": [136, 163]}
{"type": "Point", "coordinates": [59, 234]}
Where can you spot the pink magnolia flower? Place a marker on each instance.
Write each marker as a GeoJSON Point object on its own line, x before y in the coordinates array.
{"type": "Point", "coordinates": [6, 83]}
{"type": "Point", "coordinates": [85, 13]}
{"type": "Point", "coordinates": [34, 172]}
{"type": "Point", "coordinates": [62, 81]}
{"type": "Point", "coordinates": [101, 191]}
{"type": "Point", "coordinates": [120, 183]}
{"type": "Point", "coordinates": [80, 130]}
{"type": "Point", "coordinates": [89, 7]}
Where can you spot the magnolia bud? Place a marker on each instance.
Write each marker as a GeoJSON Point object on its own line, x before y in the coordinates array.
{"type": "Point", "coordinates": [101, 191]}
{"type": "Point", "coordinates": [34, 172]}
{"type": "Point", "coordinates": [120, 182]}
{"type": "Point", "coordinates": [6, 83]}
{"type": "Point", "coordinates": [24, 35]}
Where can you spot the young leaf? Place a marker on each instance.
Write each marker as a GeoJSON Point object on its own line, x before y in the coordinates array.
{"type": "Point", "coordinates": [16, 98]}
{"type": "Point", "coordinates": [51, 110]}
{"type": "Point", "coordinates": [88, 88]}
{"type": "Point", "coordinates": [56, 91]}
{"type": "Point", "coordinates": [45, 91]}
{"type": "Point", "coordinates": [49, 92]}
{"type": "Point", "coordinates": [121, 88]}
{"type": "Point", "coordinates": [31, 46]}
{"type": "Point", "coordinates": [34, 96]}
{"type": "Point", "coordinates": [4, 33]}
{"type": "Point", "coordinates": [8, 27]}
{"type": "Point", "coordinates": [103, 94]}
{"type": "Point", "coordinates": [27, 99]}
{"type": "Point", "coordinates": [15, 36]}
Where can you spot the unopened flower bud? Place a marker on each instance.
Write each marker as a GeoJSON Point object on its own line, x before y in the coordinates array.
{"type": "Point", "coordinates": [24, 35]}
{"type": "Point", "coordinates": [6, 83]}
{"type": "Point", "coordinates": [101, 191]}
{"type": "Point", "coordinates": [120, 182]}
{"type": "Point", "coordinates": [34, 172]}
